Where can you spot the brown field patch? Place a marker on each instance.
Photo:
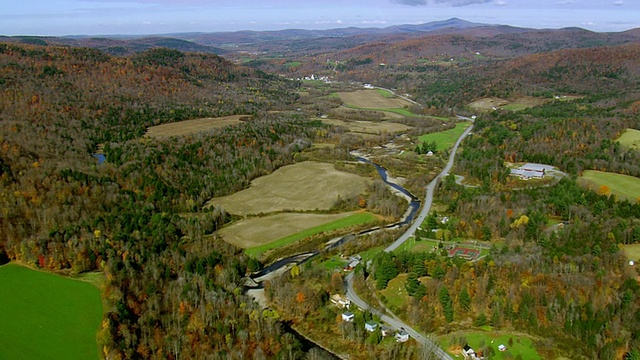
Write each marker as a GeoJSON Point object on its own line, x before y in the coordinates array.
{"type": "Point", "coordinates": [187, 127]}
{"type": "Point", "coordinates": [371, 99]}
{"type": "Point", "coordinates": [368, 127]}
{"type": "Point", "coordinates": [262, 230]}
{"type": "Point", "coordinates": [487, 104]}
{"type": "Point", "coordinates": [304, 186]}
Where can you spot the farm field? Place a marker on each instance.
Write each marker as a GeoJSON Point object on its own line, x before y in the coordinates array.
{"type": "Point", "coordinates": [368, 127]}
{"type": "Point", "coordinates": [519, 345]}
{"type": "Point", "coordinates": [630, 138]}
{"type": "Point", "coordinates": [487, 104]}
{"type": "Point", "coordinates": [371, 99]}
{"type": "Point", "coordinates": [624, 186]}
{"type": "Point", "coordinates": [445, 139]}
{"type": "Point", "coordinates": [304, 186]}
{"type": "Point", "coordinates": [187, 127]}
{"type": "Point", "coordinates": [47, 316]}
{"type": "Point", "coordinates": [265, 229]}
{"type": "Point", "coordinates": [351, 220]}
{"type": "Point", "coordinates": [632, 252]}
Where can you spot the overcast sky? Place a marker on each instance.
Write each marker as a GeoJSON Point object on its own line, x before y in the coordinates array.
{"type": "Point", "coordinates": [105, 17]}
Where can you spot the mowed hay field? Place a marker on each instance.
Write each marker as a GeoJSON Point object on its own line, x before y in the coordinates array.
{"type": "Point", "coordinates": [368, 127]}
{"type": "Point", "coordinates": [187, 127]}
{"type": "Point", "coordinates": [623, 186]}
{"type": "Point", "coordinates": [630, 139]}
{"type": "Point", "coordinates": [371, 99]}
{"type": "Point", "coordinates": [258, 235]}
{"type": "Point", "coordinates": [47, 316]}
{"type": "Point", "coordinates": [304, 186]}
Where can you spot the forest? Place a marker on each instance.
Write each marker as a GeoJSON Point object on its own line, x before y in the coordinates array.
{"type": "Point", "coordinates": [169, 291]}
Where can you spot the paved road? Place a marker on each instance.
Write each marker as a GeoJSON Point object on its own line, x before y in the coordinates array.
{"type": "Point", "coordinates": [426, 207]}
{"type": "Point", "coordinates": [391, 319]}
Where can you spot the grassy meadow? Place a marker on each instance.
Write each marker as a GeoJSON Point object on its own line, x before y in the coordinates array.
{"type": "Point", "coordinates": [630, 139]}
{"type": "Point", "coordinates": [519, 345]}
{"type": "Point", "coordinates": [188, 127]}
{"type": "Point", "coordinates": [632, 252]}
{"type": "Point", "coordinates": [623, 186]}
{"type": "Point", "coordinates": [353, 220]}
{"type": "Point", "coordinates": [446, 139]}
{"type": "Point", "coordinates": [47, 316]}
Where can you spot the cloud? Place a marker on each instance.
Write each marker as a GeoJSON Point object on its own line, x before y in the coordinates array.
{"type": "Point", "coordinates": [447, 2]}
{"type": "Point", "coordinates": [462, 2]}
{"type": "Point", "coordinates": [411, 2]}
{"type": "Point", "coordinates": [501, 3]}
{"type": "Point", "coordinates": [618, 3]}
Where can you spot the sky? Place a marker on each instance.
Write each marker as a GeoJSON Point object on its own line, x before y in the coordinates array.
{"type": "Point", "coordinates": [146, 17]}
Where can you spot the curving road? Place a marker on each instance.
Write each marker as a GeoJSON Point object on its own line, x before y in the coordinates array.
{"type": "Point", "coordinates": [429, 196]}
{"type": "Point", "coordinates": [391, 319]}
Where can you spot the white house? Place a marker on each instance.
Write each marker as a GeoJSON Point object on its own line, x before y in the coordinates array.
{"type": "Point", "coordinates": [370, 326]}
{"type": "Point", "coordinates": [348, 316]}
{"type": "Point", "coordinates": [402, 336]}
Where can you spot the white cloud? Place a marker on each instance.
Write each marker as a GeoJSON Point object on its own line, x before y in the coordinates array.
{"type": "Point", "coordinates": [618, 3]}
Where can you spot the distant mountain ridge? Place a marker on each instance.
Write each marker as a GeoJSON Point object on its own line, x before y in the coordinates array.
{"type": "Point", "coordinates": [292, 41]}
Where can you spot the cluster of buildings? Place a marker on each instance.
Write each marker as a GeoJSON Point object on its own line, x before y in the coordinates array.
{"type": "Point", "coordinates": [370, 326]}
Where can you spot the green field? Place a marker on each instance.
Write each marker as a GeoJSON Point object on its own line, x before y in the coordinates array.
{"type": "Point", "coordinates": [47, 316]}
{"type": "Point", "coordinates": [623, 186]}
{"type": "Point", "coordinates": [630, 139]}
{"type": "Point", "coordinates": [521, 345]}
{"type": "Point", "coordinates": [395, 294]}
{"type": "Point", "coordinates": [446, 139]}
{"type": "Point", "coordinates": [632, 252]}
{"type": "Point", "coordinates": [385, 93]}
{"type": "Point", "coordinates": [353, 220]}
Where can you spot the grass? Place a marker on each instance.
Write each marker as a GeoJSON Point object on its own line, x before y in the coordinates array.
{"type": "Point", "coordinates": [623, 186]}
{"type": "Point", "coordinates": [630, 139]}
{"type": "Point", "coordinates": [47, 316]}
{"type": "Point", "coordinates": [187, 127]}
{"type": "Point", "coordinates": [632, 252]}
{"type": "Point", "coordinates": [521, 345]}
{"type": "Point", "coordinates": [305, 186]}
{"type": "Point", "coordinates": [293, 64]}
{"type": "Point", "coordinates": [353, 220]}
{"type": "Point", "coordinates": [385, 93]}
{"type": "Point", "coordinates": [446, 139]}
{"type": "Point", "coordinates": [515, 107]}
{"type": "Point", "coordinates": [395, 294]}
{"type": "Point", "coordinates": [334, 263]}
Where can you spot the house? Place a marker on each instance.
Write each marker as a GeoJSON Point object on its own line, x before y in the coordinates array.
{"type": "Point", "coordinates": [386, 330]}
{"type": "Point", "coordinates": [370, 326]}
{"type": "Point", "coordinates": [402, 336]}
{"type": "Point", "coordinates": [501, 347]}
{"type": "Point", "coordinates": [340, 301]}
{"type": "Point", "coordinates": [468, 352]}
{"type": "Point", "coordinates": [348, 316]}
